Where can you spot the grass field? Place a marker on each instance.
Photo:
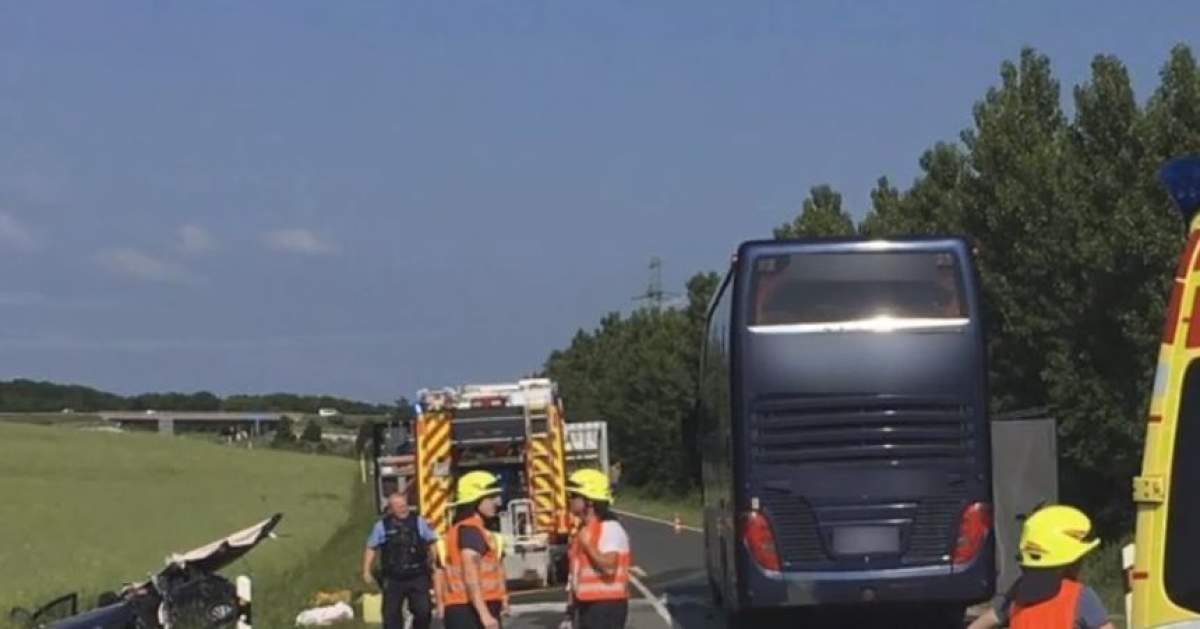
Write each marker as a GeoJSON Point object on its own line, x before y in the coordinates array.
{"type": "Point", "coordinates": [334, 566]}
{"type": "Point", "coordinates": [665, 507]}
{"type": "Point", "coordinates": [85, 511]}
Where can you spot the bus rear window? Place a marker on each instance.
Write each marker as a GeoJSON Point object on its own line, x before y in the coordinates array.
{"type": "Point", "coordinates": [806, 288]}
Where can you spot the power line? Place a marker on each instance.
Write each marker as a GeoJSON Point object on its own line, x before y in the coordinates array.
{"type": "Point", "coordinates": [654, 289]}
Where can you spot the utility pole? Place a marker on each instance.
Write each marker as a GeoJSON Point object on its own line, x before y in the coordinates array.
{"type": "Point", "coordinates": [654, 290]}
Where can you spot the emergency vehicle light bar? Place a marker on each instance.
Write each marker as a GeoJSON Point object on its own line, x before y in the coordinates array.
{"type": "Point", "coordinates": [1181, 177]}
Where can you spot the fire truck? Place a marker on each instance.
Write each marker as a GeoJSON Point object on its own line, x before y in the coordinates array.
{"type": "Point", "coordinates": [514, 430]}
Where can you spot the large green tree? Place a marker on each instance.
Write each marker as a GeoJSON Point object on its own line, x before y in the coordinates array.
{"type": "Point", "coordinates": [638, 372]}
{"type": "Point", "coordinates": [821, 215]}
{"type": "Point", "coordinates": [1074, 240]}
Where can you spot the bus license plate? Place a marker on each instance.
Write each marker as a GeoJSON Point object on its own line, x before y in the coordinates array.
{"type": "Point", "coordinates": [866, 540]}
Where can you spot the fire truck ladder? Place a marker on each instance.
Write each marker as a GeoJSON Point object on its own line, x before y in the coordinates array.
{"type": "Point", "coordinates": [546, 468]}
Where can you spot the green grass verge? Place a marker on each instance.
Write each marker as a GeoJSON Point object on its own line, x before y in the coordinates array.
{"type": "Point", "coordinates": [87, 511]}
{"type": "Point", "coordinates": [660, 505]}
{"type": "Point", "coordinates": [335, 565]}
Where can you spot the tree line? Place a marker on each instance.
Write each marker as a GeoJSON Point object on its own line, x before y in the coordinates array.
{"type": "Point", "coordinates": [1075, 241]}
{"type": "Point", "coordinates": [28, 396]}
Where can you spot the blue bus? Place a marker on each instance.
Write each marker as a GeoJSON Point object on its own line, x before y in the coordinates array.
{"type": "Point", "coordinates": [843, 429]}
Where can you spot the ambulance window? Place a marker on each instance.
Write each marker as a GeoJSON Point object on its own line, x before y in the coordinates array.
{"type": "Point", "coordinates": [1181, 570]}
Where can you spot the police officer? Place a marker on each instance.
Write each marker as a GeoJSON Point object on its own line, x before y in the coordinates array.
{"type": "Point", "coordinates": [473, 577]}
{"type": "Point", "coordinates": [1049, 594]}
{"type": "Point", "coordinates": [599, 555]}
{"type": "Point", "coordinates": [403, 542]}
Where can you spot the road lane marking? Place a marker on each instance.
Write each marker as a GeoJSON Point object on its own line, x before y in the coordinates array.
{"type": "Point", "coordinates": [659, 607]}
{"type": "Point", "coordinates": [551, 588]}
{"type": "Point", "coordinates": [535, 608]}
{"type": "Point", "coordinates": [561, 607]}
{"type": "Point", "coordinates": [647, 518]}
{"type": "Point", "coordinates": [696, 578]}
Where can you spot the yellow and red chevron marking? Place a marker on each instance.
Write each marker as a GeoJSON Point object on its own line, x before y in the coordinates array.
{"type": "Point", "coordinates": [541, 481]}
{"type": "Point", "coordinates": [556, 433]}
{"type": "Point", "coordinates": [433, 469]}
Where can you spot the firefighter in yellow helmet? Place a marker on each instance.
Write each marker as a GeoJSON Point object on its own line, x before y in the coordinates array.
{"type": "Point", "coordinates": [599, 555]}
{"type": "Point", "coordinates": [1049, 594]}
{"type": "Point", "coordinates": [439, 575]}
{"type": "Point", "coordinates": [472, 577]}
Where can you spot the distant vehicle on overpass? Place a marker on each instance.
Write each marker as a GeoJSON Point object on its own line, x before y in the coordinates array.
{"type": "Point", "coordinates": [844, 429]}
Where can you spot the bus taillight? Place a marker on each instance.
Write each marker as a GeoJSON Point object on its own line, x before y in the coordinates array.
{"type": "Point", "coordinates": [972, 532]}
{"type": "Point", "coordinates": [757, 535]}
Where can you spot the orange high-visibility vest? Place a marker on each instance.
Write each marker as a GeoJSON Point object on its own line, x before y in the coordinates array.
{"type": "Point", "coordinates": [491, 573]}
{"type": "Point", "coordinates": [591, 585]}
{"type": "Point", "coordinates": [1054, 613]}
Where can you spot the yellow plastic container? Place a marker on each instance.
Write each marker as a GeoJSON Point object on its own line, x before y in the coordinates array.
{"type": "Point", "coordinates": [372, 609]}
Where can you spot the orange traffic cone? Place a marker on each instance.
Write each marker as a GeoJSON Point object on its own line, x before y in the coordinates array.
{"type": "Point", "coordinates": [678, 524]}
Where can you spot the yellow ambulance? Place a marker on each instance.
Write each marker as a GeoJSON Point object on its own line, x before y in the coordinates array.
{"type": "Point", "coordinates": [1165, 576]}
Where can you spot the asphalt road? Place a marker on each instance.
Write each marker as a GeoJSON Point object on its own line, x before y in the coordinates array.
{"type": "Point", "coordinates": [670, 589]}
{"type": "Point", "coordinates": [673, 590]}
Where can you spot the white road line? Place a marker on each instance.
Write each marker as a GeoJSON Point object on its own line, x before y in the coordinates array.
{"type": "Point", "coordinates": [533, 608]}
{"type": "Point", "coordinates": [647, 518]}
{"type": "Point", "coordinates": [695, 579]}
{"type": "Point", "coordinates": [634, 573]}
{"type": "Point", "coordinates": [662, 610]}
{"type": "Point", "coordinates": [553, 588]}
{"type": "Point", "coordinates": [561, 607]}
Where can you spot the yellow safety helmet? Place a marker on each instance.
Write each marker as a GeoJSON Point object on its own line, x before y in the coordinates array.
{"type": "Point", "coordinates": [1056, 536]}
{"type": "Point", "coordinates": [475, 485]}
{"type": "Point", "coordinates": [591, 484]}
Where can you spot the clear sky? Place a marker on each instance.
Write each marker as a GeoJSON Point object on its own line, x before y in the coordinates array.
{"type": "Point", "coordinates": [363, 198]}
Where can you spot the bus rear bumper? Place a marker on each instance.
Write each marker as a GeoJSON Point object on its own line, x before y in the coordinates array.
{"type": "Point", "coordinates": [927, 584]}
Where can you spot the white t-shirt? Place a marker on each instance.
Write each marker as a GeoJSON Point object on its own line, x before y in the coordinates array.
{"type": "Point", "coordinates": [613, 538]}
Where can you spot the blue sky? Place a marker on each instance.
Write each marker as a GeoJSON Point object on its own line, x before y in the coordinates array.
{"type": "Point", "coordinates": [363, 198]}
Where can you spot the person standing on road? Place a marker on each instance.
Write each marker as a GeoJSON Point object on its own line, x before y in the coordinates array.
{"type": "Point", "coordinates": [473, 577]}
{"type": "Point", "coordinates": [439, 577]}
{"type": "Point", "coordinates": [599, 555]}
{"type": "Point", "coordinates": [403, 542]}
{"type": "Point", "coordinates": [1048, 594]}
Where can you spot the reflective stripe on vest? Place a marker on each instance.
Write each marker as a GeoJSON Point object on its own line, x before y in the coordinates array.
{"type": "Point", "coordinates": [1055, 613]}
{"type": "Point", "coordinates": [590, 584]}
{"type": "Point", "coordinates": [491, 573]}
